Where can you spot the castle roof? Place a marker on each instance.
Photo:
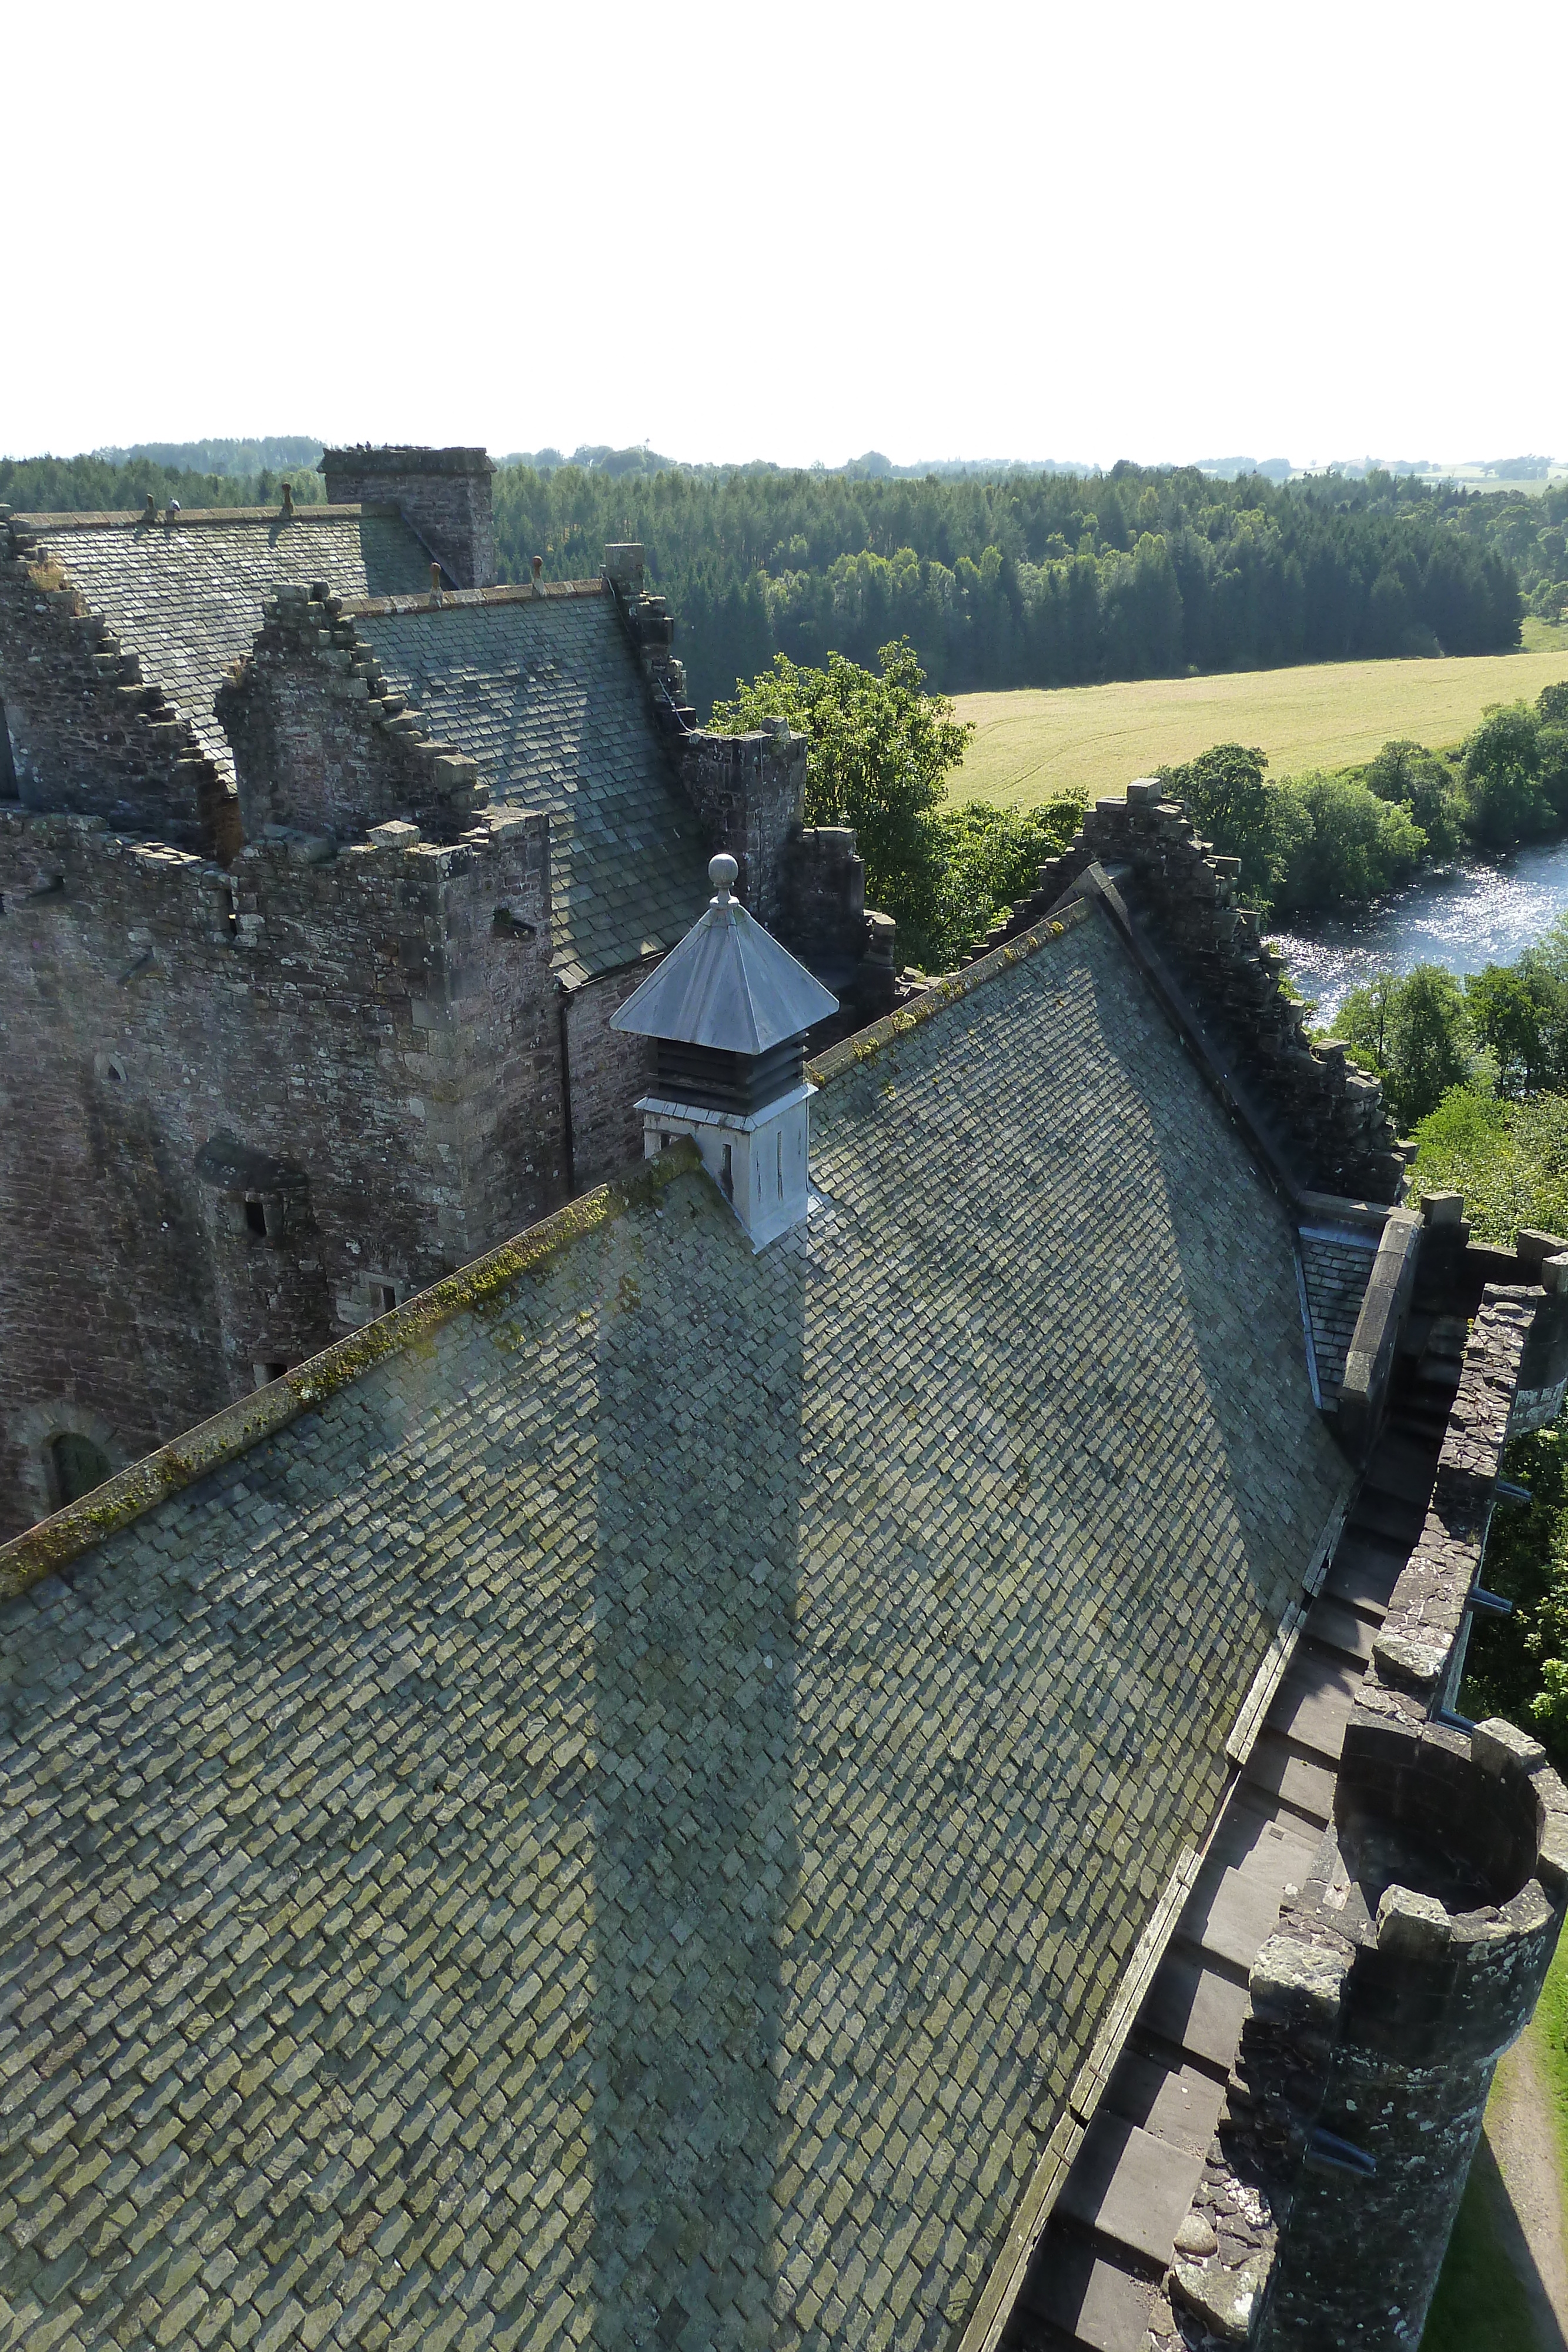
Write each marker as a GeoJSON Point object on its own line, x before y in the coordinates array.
{"type": "Point", "coordinates": [187, 595]}
{"type": "Point", "coordinates": [615, 1802]}
{"type": "Point", "coordinates": [728, 985]}
{"type": "Point", "coordinates": [544, 693]}
{"type": "Point", "coordinates": [542, 690]}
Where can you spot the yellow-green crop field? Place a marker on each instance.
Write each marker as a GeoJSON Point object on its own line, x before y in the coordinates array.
{"type": "Point", "coordinates": [1094, 738]}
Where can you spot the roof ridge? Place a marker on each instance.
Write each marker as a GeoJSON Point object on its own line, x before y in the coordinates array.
{"type": "Point", "coordinates": [123, 518]}
{"type": "Point", "coordinates": [509, 592]}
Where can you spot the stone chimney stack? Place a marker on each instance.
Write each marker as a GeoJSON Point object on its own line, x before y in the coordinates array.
{"type": "Point", "coordinates": [730, 1010]}
{"type": "Point", "coordinates": [442, 494]}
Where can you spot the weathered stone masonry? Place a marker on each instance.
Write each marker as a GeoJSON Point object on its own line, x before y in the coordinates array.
{"type": "Point", "coordinates": [380, 1016]}
{"type": "Point", "coordinates": [806, 883]}
{"type": "Point", "coordinates": [1414, 1953]}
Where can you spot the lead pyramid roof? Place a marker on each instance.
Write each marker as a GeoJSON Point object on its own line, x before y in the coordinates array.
{"type": "Point", "coordinates": [728, 985]}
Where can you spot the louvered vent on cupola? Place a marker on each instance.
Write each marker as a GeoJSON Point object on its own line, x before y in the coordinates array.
{"type": "Point", "coordinates": [729, 1010]}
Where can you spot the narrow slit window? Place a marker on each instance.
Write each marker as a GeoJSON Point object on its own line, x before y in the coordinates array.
{"type": "Point", "coordinates": [230, 916]}
{"type": "Point", "coordinates": [255, 1216]}
{"type": "Point", "coordinates": [781, 1143]}
{"type": "Point", "coordinates": [387, 1292]}
{"type": "Point", "coordinates": [726, 1172]}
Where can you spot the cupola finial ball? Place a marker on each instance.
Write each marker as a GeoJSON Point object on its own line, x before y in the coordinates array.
{"type": "Point", "coordinates": [721, 872]}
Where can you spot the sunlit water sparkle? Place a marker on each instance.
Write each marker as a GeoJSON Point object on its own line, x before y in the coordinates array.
{"type": "Point", "coordinates": [1463, 917]}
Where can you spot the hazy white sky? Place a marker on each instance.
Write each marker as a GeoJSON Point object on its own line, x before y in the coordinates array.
{"type": "Point", "coordinates": [795, 232]}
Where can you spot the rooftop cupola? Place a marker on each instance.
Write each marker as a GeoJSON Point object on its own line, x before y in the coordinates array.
{"type": "Point", "coordinates": [730, 1010]}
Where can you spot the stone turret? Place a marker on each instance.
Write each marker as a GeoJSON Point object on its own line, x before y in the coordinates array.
{"type": "Point", "coordinates": [1436, 1904]}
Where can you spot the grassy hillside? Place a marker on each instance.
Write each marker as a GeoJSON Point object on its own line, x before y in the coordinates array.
{"type": "Point", "coordinates": [1031, 744]}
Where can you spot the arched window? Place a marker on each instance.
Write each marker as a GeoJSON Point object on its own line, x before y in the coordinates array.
{"type": "Point", "coordinates": [73, 1466]}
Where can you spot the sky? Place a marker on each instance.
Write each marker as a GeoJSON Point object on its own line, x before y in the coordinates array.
{"type": "Point", "coordinates": [796, 233]}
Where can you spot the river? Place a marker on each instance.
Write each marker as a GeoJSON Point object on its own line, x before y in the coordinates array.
{"type": "Point", "coordinates": [1461, 917]}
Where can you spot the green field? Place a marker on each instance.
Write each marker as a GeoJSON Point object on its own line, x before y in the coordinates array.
{"type": "Point", "coordinates": [1094, 739]}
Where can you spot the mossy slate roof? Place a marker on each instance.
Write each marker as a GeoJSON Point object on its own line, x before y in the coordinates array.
{"type": "Point", "coordinates": [618, 1826]}
{"type": "Point", "coordinates": [187, 596]}
{"type": "Point", "coordinates": [545, 696]}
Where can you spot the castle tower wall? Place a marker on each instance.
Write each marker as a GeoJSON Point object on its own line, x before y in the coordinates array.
{"type": "Point", "coordinates": [380, 1022]}
{"type": "Point", "coordinates": [750, 793]}
{"type": "Point", "coordinates": [807, 886]}
{"type": "Point", "coordinates": [1413, 1954]}
{"type": "Point", "coordinates": [1444, 1875]}
{"type": "Point", "coordinates": [444, 494]}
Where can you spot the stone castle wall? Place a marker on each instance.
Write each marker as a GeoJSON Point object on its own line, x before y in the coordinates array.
{"type": "Point", "coordinates": [1413, 1954]}
{"type": "Point", "coordinates": [381, 1017]}
{"type": "Point", "coordinates": [808, 884]}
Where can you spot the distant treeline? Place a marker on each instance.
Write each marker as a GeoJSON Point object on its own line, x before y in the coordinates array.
{"type": "Point", "coordinates": [118, 482]}
{"type": "Point", "coordinates": [1035, 579]}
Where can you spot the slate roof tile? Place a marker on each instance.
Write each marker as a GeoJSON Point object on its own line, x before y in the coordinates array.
{"type": "Point", "coordinates": [187, 596]}
{"type": "Point", "coordinates": [544, 694]}
{"type": "Point", "coordinates": [623, 1821]}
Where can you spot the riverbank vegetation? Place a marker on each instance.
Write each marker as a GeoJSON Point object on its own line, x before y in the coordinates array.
{"type": "Point", "coordinates": [1322, 839]}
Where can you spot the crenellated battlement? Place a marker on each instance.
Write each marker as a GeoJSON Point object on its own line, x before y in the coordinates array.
{"type": "Point", "coordinates": [1409, 1960]}
{"type": "Point", "coordinates": [1322, 1119]}
{"type": "Point", "coordinates": [52, 861]}
{"type": "Point", "coordinates": [1410, 1954]}
{"type": "Point", "coordinates": [749, 792]}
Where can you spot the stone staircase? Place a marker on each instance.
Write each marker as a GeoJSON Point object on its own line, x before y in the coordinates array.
{"type": "Point", "coordinates": [1095, 2284]}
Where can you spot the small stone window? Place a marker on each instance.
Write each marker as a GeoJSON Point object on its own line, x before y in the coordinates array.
{"type": "Point", "coordinates": [264, 1374]}
{"type": "Point", "coordinates": [255, 1216]}
{"type": "Point", "coordinates": [386, 1293]}
{"type": "Point", "coordinates": [73, 1466]}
